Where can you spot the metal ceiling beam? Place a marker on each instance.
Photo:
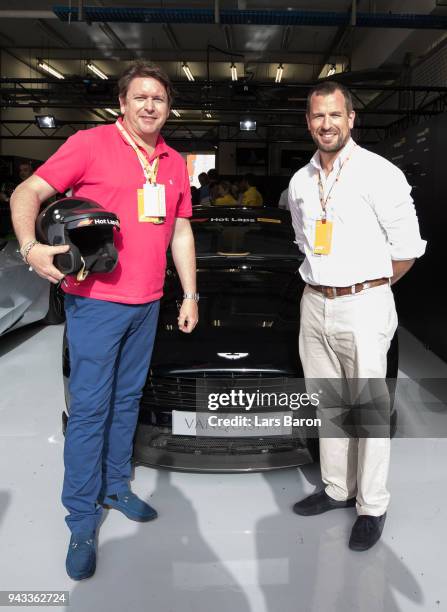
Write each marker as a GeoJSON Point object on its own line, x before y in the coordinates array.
{"type": "Point", "coordinates": [228, 33]}
{"type": "Point", "coordinates": [111, 35]}
{"type": "Point", "coordinates": [25, 14]}
{"type": "Point", "coordinates": [285, 40]}
{"type": "Point", "coordinates": [340, 37]}
{"type": "Point", "coordinates": [5, 39]}
{"type": "Point", "coordinates": [241, 109]}
{"type": "Point", "coordinates": [102, 52]}
{"type": "Point", "coordinates": [198, 85]}
{"type": "Point", "coordinates": [167, 28]}
{"type": "Point", "coordinates": [253, 17]}
{"type": "Point", "coordinates": [49, 31]}
{"type": "Point", "coordinates": [19, 59]}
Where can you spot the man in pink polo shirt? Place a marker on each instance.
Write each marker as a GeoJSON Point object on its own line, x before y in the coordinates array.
{"type": "Point", "coordinates": [112, 318]}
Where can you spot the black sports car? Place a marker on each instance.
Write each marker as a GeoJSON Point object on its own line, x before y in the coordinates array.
{"type": "Point", "coordinates": [250, 289]}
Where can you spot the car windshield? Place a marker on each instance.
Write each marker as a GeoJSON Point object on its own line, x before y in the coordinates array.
{"type": "Point", "coordinates": [264, 235]}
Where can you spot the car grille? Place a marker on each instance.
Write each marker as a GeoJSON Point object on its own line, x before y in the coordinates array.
{"type": "Point", "coordinates": [179, 393]}
{"type": "Point", "coordinates": [170, 392]}
{"type": "Point", "coordinates": [161, 438]}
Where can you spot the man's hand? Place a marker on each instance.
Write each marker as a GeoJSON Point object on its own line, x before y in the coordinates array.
{"type": "Point", "coordinates": [40, 258]}
{"type": "Point", "coordinates": [400, 268]}
{"type": "Point", "coordinates": [188, 316]}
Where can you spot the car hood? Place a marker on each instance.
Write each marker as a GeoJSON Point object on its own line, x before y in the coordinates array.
{"type": "Point", "coordinates": [248, 321]}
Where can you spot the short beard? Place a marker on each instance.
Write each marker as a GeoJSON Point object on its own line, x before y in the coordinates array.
{"type": "Point", "coordinates": [334, 148]}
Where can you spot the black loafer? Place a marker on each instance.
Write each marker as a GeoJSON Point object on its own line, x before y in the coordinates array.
{"type": "Point", "coordinates": [366, 531]}
{"type": "Point", "coordinates": [320, 502]}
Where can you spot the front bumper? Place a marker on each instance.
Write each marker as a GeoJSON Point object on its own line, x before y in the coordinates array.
{"type": "Point", "coordinates": [158, 447]}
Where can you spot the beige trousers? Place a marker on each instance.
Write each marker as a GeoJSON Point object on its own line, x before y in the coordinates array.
{"type": "Point", "coordinates": [348, 337]}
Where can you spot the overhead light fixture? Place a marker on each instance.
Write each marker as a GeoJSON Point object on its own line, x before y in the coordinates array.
{"type": "Point", "coordinates": [175, 112]}
{"type": "Point", "coordinates": [44, 66]}
{"type": "Point", "coordinates": [187, 71]}
{"type": "Point", "coordinates": [248, 125]}
{"type": "Point", "coordinates": [46, 121]}
{"type": "Point", "coordinates": [112, 112]}
{"type": "Point", "coordinates": [97, 71]}
{"type": "Point", "coordinates": [233, 72]}
{"type": "Point", "coordinates": [332, 70]}
{"type": "Point", "coordinates": [279, 72]}
{"type": "Point", "coordinates": [208, 115]}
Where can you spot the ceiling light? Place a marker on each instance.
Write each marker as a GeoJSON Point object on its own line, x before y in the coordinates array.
{"type": "Point", "coordinates": [233, 72]}
{"type": "Point", "coordinates": [175, 112]}
{"type": "Point", "coordinates": [46, 121]}
{"type": "Point", "coordinates": [112, 112]}
{"type": "Point", "coordinates": [247, 125]}
{"type": "Point", "coordinates": [187, 71]}
{"type": "Point", "coordinates": [279, 72]}
{"type": "Point", "coordinates": [97, 71]}
{"type": "Point", "coordinates": [332, 70]}
{"type": "Point", "coordinates": [44, 66]}
{"type": "Point", "coordinates": [208, 115]}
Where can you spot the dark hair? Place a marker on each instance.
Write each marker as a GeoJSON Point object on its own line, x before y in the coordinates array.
{"type": "Point", "coordinates": [143, 68]}
{"type": "Point", "coordinates": [326, 88]}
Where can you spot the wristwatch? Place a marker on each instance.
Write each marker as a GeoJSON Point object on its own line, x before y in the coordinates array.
{"type": "Point", "coordinates": [191, 296]}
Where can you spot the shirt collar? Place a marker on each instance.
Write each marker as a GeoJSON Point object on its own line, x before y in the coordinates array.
{"type": "Point", "coordinates": [161, 147]}
{"type": "Point", "coordinates": [341, 157]}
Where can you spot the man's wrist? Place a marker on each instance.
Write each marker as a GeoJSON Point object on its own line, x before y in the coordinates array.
{"type": "Point", "coordinates": [24, 241]}
{"type": "Point", "coordinates": [191, 296]}
{"type": "Point", "coordinates": [26, 248]}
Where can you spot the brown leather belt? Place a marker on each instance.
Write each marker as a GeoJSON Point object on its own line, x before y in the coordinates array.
{"type": "Point", "coordinates": [333, 292]}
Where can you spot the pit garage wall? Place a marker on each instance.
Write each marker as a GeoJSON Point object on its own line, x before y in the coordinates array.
{"type": "Point", "coordinates": [421, 299]}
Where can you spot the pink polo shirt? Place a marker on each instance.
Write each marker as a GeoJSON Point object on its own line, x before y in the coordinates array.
{"type": "Point", "coordinates": [100, 164]}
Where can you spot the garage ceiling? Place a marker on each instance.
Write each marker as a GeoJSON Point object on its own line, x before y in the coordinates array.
{"type": "Point", "coordinates": [70, 34]}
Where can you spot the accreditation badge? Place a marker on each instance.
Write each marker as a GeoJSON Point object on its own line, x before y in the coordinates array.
{"type": "Point", "coordinates": [152, 203]}
{"type": "Point", "coordinates": [323, 237]}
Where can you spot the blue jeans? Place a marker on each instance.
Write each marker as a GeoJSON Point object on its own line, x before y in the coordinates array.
{"type": "Point", "coordinates": [110, 348]}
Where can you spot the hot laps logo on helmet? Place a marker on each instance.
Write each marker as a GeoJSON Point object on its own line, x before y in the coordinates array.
{"type": "Point", "coordinates": [94, 221]}
{"type": "Point", "coordinates": [88, 230]}
{"type": "Point", "coordinates": [106, 222]}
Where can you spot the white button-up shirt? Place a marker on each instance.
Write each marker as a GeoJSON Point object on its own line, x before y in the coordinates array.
{"type": "Point", "coordinates": [373, 216]}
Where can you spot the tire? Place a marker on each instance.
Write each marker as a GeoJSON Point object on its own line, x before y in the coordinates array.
{"type": "Point", "coordinates": [56, 310]}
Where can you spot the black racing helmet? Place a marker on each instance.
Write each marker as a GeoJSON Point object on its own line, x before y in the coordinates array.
{"type": "Point", "coordinates": [88, 230]}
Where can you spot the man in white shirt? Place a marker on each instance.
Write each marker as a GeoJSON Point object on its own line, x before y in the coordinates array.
{"type": "Point", "coordinates": [355, 221]}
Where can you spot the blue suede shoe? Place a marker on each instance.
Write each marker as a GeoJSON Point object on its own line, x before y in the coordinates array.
{"type": "Point", "coordinates": [81, 556]}
{"type": "Point", "coordinates": [130, 505]}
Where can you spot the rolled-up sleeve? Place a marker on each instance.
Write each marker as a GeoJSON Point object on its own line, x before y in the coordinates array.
{"type": "Point", "coordinates": [392, 202]}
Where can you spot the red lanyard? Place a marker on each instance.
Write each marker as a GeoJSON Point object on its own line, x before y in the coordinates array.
{"type": "Point", "coordinates": [325, 200]}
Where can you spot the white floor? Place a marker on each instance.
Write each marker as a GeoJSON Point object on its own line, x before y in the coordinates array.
{"type": "Point", "coordinates": [221, 542]}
